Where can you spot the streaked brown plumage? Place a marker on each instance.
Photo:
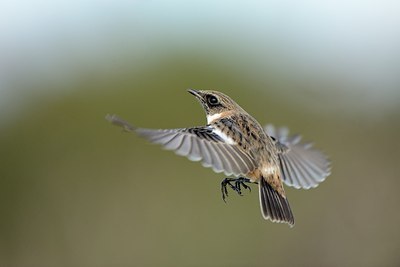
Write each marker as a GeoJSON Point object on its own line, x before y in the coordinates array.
{"type": "Point", "coordinates": [233, 142]}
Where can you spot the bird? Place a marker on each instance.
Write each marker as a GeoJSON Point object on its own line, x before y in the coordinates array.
{"type": "Point", "coordinates": [234, 143]}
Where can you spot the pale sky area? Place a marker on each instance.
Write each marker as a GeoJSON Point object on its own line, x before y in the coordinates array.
{"type": "Point", "coordinates": [353, 41]}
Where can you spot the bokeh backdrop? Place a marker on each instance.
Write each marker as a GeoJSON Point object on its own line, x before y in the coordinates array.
{"type": "Point", "coordinates": [77, 191]}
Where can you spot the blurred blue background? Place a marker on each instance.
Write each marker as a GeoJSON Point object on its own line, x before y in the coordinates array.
{"type": "Point", "coordinates": [76, 191]}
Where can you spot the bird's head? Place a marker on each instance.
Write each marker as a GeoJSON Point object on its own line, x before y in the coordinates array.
{"type": "Point", "coordinates": [216, 104]}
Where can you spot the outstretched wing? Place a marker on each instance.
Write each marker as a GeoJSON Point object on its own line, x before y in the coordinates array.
{"type": "Point", "coordinates": [198, 144]}
{"type": "Point", "coordinates": [302, 166]}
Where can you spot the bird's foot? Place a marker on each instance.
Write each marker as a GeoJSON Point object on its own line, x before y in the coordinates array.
{"type": "Point", "coordinates": [235, 184]}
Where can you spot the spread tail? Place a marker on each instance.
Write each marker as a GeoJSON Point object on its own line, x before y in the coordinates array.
{"type": "Point", "coordinates": [274, 207]}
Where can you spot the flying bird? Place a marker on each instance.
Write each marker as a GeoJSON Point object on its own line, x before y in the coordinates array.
{"type": "Point", "coordinates": [234, 143]}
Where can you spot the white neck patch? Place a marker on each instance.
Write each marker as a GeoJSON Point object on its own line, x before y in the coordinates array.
{"type": "Point", "coordinates": [211, 118]}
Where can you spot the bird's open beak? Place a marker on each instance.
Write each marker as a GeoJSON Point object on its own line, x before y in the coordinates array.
{"type": "Point", "coordinates": [196, 93]}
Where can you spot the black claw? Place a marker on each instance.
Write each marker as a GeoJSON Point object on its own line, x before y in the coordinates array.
{"type": "Point", "coordinates": [224, 190]}
{"type": "Point", "coordinates": [238, 183]}
{"type": "Point", "coordinates": [245, 186]}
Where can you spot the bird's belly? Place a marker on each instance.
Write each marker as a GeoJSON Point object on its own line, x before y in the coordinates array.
{"type": "Point", "coordinates": [265, 171]}
{"type": "Point", "coordinates": [271, 174]}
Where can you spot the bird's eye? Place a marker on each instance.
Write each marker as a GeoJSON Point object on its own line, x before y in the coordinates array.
{"type": "Point", "coordinates": [212, 100]}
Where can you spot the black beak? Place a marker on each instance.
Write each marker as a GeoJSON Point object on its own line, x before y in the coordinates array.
{"type": "Point", "coordinates": [194, 92]}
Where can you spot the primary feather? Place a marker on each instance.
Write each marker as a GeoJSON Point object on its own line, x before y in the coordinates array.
{"type": "Point", "coordinates": [302, 166]}
{"type": "Point", "coordinates": [198, 144]}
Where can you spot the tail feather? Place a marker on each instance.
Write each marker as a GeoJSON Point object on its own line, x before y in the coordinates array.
{"type": "Point", "coordinates": [274, 207]}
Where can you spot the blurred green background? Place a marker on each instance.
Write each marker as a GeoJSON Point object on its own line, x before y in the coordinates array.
{"type": "Point", "coordinates": [76, 191]}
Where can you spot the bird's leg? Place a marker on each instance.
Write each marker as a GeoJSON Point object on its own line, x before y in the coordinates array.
{"type": "Point", "coordinates": [238, 183]}
{"type": "Point", "coordinates": [224, 190]}
{"type": "Point", "coordinates": [242, 182]}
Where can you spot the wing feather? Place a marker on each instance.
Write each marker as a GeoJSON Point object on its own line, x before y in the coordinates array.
{"type": "Point", "coordinates": [185, 146]}
{"type": "Point", "coordinates": [194, 153]}
{"type": "Point", "coordinates": [216, 157]}
{"type": "Point", "coordinates": [198, 144]}
{"type": "Point", "coordinates": [302, 165]}
{"type": "Point", "coordinates": [230, 160]}
{"type": "Point", "coordinates": [205, 154]}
